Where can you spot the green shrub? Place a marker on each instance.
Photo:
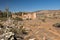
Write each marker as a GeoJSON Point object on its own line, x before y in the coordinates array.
{"type": "Point", "coordinates": [43, 20]}
{"type": "Point", "coordinates": [19, 19]}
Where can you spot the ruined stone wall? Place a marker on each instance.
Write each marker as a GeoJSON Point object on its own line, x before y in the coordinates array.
{"type": "Point", "coordinates": [33, 16]}
{"type": "Point", "coordinates": [14, 16]}
{"type": "Point", "coordinates": [29, 16]}
{"type": "Point", "coordinates": [25, 16]}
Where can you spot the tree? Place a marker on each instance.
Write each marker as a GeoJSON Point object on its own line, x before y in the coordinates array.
{"type": "Point", "coordinates": [1, 13]}
{"type": "Point", "coordinates": [4, 14]}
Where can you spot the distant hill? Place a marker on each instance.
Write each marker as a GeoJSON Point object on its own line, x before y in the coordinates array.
{"type": "Point", "coordinates": [48, 11]}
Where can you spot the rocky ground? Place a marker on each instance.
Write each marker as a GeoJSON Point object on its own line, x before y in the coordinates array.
{"type": "Point", "coordinates": [44, 30]}
{"type": "Point", "coordinates": [29, 30]}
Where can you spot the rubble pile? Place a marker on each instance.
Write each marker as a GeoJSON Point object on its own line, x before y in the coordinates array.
{"type": "Point", "coordinates": [13, 30]}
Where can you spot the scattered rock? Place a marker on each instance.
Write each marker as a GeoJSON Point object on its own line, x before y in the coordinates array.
{"type": "Point", "coordinates": [56, 25]}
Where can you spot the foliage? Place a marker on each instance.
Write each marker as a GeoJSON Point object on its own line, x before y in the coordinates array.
{"type": "Point", "coordinates": [1, 13]}
{"type": "Point", "coordinates": [3, 19]}
{"type": "Point", "coordinates": [28, 19]}
{"type": "Point", "coordinates": [4, 14]}
{"type": "Point", "coordinates": [19, 19]}
{"type": "Point", "coordinates": [18, 13]}
{"type": "Point", "coordinates": [43, 20]}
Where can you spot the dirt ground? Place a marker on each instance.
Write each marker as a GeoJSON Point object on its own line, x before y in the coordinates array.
{"type": "Point", "coordinates": [43, 30]}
